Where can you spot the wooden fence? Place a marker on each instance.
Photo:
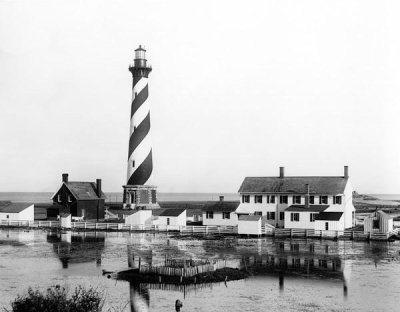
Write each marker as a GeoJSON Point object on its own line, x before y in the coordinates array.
{"type": "Point", "coordinates": [205, 229]}
{"type": "Point", "coordinates": [184, 271]}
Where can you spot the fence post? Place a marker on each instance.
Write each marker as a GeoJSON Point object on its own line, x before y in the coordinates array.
{"type": "Point", "coordinates": [38, 225]}
{"type": "Point", "coordinates": [131, 227]}
{"type": "Point", "coordinates": [85, 225]}
{"type": "Point", "coordinates": [206, 229]}
{"type": "Point", "coordinates": [291, 233]}
{"type": "Point", "coordinates": [352, 235]}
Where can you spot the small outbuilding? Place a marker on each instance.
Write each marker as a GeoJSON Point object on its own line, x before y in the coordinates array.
{"type": "Point", "coordinates": [17, 211]}
{"type": "Point", "coordinates": [172, 216]}
{"type": "Point", "coordinates": [138, 217]}
{"type": "Point", "coordinates": [249, 225]}
{"type": "Point", "coordinates": [378, 222]}
{"type": "Point", "coordinates": [65, 220]}
{"type": "Point", "coordinates": [329, 221]}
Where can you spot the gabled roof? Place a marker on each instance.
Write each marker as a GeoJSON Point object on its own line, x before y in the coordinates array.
{"type": "Point", "coordinates": [249, 218]}
{"type": "Point", "coordinates": [14, 207]}
{"type": "Point", "coordinates": [221, 206]}
{"type": "Point", "coordinates": [295, 185]}
{"type": "Point", "coordinates": [83, 190]}
{"type": "Point", "coordinates": [329, 216]}
{"type": "Point", "coordinates": [172, 212]}
{"type": "Point", "coordinates": [311, 208]}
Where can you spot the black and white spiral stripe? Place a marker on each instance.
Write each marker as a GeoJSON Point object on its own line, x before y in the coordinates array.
{"type": "Point", "coordinates": [140, 163]}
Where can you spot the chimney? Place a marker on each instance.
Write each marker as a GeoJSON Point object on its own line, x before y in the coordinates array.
{"type": "Point", "coordinates": [98, 187]}
{"type": "Point", "coordinates": [281, 172]}
{"type": "Point", "coordinates": [307, 197]}
{"type": "Point", "coordinates": [221, 199]}
{"type": "Point", "coordinates": [65, 177]}
{"type": "Point", "coordinates": [346, 172]}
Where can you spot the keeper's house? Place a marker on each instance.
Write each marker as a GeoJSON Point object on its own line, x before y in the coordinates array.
{"type": "Point", "coordinates": [295, 202]}
{"type": "Point", "coordinates": [82, 199]}
{"type": "Point", "coordinates": [16, 211]}
{"type": "Point", "coordinates": [220, 213]}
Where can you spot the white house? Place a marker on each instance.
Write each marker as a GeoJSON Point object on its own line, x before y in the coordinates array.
{"type": "Point", "coordinates": [276, 198]}
{"type": "Point", "coordinates": [249, 225]}
{"type": "Point", "coordinates": [138, 217]}
{"type": "Point", "coordinates": [171, 216]}
{"type": "Point", "coordinates": [220, 213]}
{"type": "Point", "coordinates": [17, 211]}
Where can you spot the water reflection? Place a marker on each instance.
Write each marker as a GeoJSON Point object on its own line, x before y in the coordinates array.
{"type": "Point", "coordinates": [74, 248]}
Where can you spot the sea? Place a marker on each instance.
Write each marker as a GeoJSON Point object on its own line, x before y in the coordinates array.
{"type": "Point", "coordinates": [45, 197]}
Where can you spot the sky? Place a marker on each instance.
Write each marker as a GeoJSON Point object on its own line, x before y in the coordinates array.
{"type": "Point", "coordinates": [238, 88]}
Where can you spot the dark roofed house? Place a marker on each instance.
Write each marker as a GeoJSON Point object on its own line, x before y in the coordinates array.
{"type": "Point", "coordinates": [294, 201]}
{"type": "Point", "coordinates": [82, 199]}
{"type": "Point", "coordinates": [220, 212]}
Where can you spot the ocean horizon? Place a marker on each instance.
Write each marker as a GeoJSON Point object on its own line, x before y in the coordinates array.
{"type": "Point", "coordinates": [45, 197]}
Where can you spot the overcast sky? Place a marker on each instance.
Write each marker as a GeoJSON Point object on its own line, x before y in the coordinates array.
{"type": "Point", "coordinates": [238, 89]}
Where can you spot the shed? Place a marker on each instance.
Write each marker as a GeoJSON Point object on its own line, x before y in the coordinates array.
{"type": "Point", "coordinates": [249, 225]}
{"type": "Point", "coordinates": [137, 217]}
{"type": "Point", "coordinates": [17, 211]}
{"type": "Point", "coordinates": [378, 222]}
{"type": "Point", "coordinates": [329, 221]}
{"type": "Point", "coordinates": [172, 216]}
{"type": "Point", "coordinates": [65, 219]}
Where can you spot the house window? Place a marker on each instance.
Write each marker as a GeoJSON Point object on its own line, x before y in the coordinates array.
{"type": "Point", "coordinates": [69, 198]}
{"type": "Point", "coordinates": [226, 215]}
{"type": "Point", "coordinates": [258, 213]}
{"type": "Point", "coordinates": [133, 164]}
{"type": "Point", "coordinates": [296, 199]}
{"type": "Point", "coordinates": [167, 221]}
{"type": "Point", "coordinates": [311, 199]}
{"type": "Point", "coordinates": [326, 226]}
{"type": "Point", "coordinates": [8, 216]}
{"type": "Point", "coordinates": [323, 200]}
{"type": "Point", "coordinates": [245, 198]}
{"type": "Point", "coordinates": [270, 199]}
{"type": "Point", "coordinates": [312, 217]}
{"type": "Point", "coordinates": [271, 215]}
{"type": "Point", "coordinates": [258, 199]}
{"type": "Point", "coordinates": [295, 217]}
{"type": "Point", "coordinates": [375, 224]}
{"type": "Point", "coordinates": [337, 200]}
{"type": "Point", "coordinates": [59, 198]}
{"type": "Point", "coordinates": [282, 215]}
{"type": "Point", "coordinates": [283, 199]}
{"type": "Point", "coordinates": [210, 215]}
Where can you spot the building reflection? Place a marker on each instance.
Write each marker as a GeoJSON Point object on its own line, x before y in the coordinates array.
{"type": "Point", "coordinates": [77, 248]}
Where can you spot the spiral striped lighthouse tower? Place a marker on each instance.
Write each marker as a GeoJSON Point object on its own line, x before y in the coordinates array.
{"type": "Point", "coordinates": [137, 194]}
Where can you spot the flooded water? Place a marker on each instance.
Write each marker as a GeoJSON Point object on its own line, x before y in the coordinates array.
{"type": "Point", "coordinates": [313, 275]}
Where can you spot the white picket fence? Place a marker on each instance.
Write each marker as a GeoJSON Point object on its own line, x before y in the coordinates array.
{"type": "Point", "coordinates": [184, 271]}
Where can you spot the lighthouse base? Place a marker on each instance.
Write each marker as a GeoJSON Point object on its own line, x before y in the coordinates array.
{"type": "Point", "coordinates": [140, 197]}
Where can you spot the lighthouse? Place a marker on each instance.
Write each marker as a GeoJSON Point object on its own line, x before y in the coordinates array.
{"type": "Point", "coordinates": [137, 193]}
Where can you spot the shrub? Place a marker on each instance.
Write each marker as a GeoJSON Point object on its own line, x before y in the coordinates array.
{"type": "Point", "coordinates": [56, 299]}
